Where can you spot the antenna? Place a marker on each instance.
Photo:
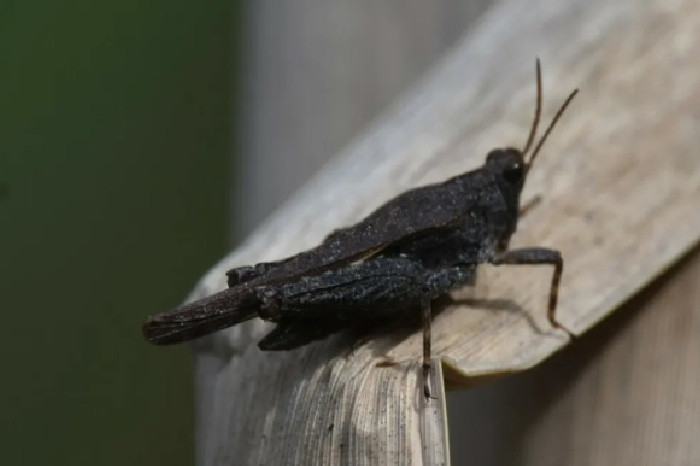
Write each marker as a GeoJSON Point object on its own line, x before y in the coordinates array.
{"type": "Point", "coordinates": [538, 108]}
{"type": "Point", "coordinates": [550, 127]}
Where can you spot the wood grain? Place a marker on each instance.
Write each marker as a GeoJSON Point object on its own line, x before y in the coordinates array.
{"type": "Point", "coordinates": [620, 179]}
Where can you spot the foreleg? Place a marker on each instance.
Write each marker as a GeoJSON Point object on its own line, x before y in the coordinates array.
{"type": "Point", "coordinates": [539, 256]}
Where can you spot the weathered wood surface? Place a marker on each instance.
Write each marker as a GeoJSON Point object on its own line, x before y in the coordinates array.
{"type": "Point", "coordinates": [620, 179]}
{"type": "Point", "coordinates": [636, 396]}
{"type": "Point", "coordinates": [628, 392]}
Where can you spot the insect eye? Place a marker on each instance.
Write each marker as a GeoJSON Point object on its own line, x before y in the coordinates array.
{"type": "Point", "coordinates": [514, 173]}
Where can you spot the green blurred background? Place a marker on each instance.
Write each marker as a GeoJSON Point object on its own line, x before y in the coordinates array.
{"type": "Point", "coordinates": [114, 140]}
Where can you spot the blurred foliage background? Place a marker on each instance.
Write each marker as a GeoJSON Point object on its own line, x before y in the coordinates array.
{"type": "Point", "coordinates": [114, 148]}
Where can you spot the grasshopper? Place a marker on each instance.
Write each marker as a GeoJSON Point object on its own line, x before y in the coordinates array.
{"type": "Point", "coordinates": [416, 247]}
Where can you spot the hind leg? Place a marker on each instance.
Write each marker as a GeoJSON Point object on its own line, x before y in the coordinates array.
{"type": "Point", "coordinates": [377, 288]}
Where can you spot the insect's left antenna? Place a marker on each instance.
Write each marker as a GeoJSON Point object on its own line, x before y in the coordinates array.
{"type": "Point", "coordinates": [550, 127]}
{"type": "Point", "coordinates": [538, 108]}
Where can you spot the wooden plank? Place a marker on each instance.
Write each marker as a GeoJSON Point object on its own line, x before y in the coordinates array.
{"type": "Point", "coordinates": [619, 178]}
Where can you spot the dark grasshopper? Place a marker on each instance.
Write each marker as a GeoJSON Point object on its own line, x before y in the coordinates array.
{"type": "Point", "coordinates": [416, 247]}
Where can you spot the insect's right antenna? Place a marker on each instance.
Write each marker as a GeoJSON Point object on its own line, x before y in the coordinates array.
{"type": "Point", "coordinates": [538, 108]}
